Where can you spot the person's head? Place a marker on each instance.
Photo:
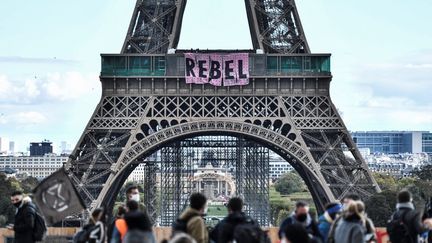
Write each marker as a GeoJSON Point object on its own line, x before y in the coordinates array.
{"type": "Point", "coordinates": [404, 196]}
{"type": "Point", "coordinates": [235, 204]}
{"type": "Point", "coordinates": [132, 205]}
{"type": "Point", "coordinates": [132, 193]}
{"type": "Point", "coordinates": [98, 215]}
{"type": "Point", "coordinates": [295, 233]}
{"type": "Point", "coordinates": [121, 210]}
{"type": "Point", "coordinates": [333, 209]}
{"type": "Point", "coordinates": [301, 211]}
{"type": "Point", "coordinates": [16, 198]}
{"type": "Point", "coordinates": [350, 197]}
{"type": "Point", "coordinates": [355, 209]}
{"type": "Point", "coordinates": [198, 201]}
{"type": "Point", "coordinates": [182, 238]}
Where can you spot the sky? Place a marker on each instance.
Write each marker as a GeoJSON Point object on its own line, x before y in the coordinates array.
{"type": "Point", "coordinates": [50, 59]}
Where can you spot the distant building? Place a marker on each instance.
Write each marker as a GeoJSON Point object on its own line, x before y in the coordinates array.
{"type": "Point", "coordinates": [41, 148]}
{"type": "Point", "coordinates": [394, 142]}
{"type": "Point", "coordinates": [3, 146]}
{"type": "Point", "coordinates": [36, 166]}
{"type": "Point", "coordinates": [399, 165]}
{"type": "Point", "coordinates": [278, 166]}
{"type": "Point", "coordinates": [214, 182]}
{"type": "Point", "coordinates": [11, 147]}
{"type": "Point", "coordinates": [427, 144]}
{"type": "Point", "coordinates": [65, 148]}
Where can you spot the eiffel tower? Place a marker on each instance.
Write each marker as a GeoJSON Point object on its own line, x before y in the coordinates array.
{"type": "Point", "coordinates": [146, 106]}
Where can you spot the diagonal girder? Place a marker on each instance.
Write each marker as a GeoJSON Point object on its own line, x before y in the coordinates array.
{"type": "Point", "coordinates": [275, 26]}
{"type": "Point", "coordinates": [154, 26]}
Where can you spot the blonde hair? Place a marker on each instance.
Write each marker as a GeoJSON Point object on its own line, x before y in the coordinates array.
{"type": "Point", "coordinates": [356, 208]}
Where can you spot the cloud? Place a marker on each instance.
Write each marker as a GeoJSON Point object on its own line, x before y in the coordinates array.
{"type": "Point", "coordinates": [388, 95]}
{"type": "Point", "coordinates": [36, 60]}
{"type": "Point", "coordinates": [51, 87]}
{"type": "Point", "coordinates": [24, 118]}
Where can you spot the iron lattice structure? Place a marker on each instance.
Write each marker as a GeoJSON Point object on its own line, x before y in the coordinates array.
{"type": "Point", "coordinates": [178, 161]}
{"type": "Point", "coordinates": [146, 105]}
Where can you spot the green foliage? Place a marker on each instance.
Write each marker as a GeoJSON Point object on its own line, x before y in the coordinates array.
{"type": "Point", "coordinates": [28, 184]}
{"type": "Point", "coordinates": [217, 211]}
{"type": "Point", "coordinates": [278, 204]}
{"type": "Point", "coordinates": [289, 183]}
{"type": "Point", "coordinates": [283, 214]}
{"type": "Point", "coordinates": [378, 208]}
{"type": "Point", "coordinates": [7, 186]}
{"type": "Point", "coordinates": [423, 173]}
{"type": "Point", "coordinates": [386, 182]}
{"type": "Point", "coordinates": [15, 184]}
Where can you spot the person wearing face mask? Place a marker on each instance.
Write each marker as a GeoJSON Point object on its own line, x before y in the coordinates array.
{"type": "Point", "coordinates": [132, 193]}
{"type": "Point", "coordinates": [24, 218]}
{"type": "Point", "coordinates": [301, 216]}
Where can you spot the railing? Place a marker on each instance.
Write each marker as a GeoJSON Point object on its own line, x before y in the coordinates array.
{"type": "Point", "coordinates": [174, 65]}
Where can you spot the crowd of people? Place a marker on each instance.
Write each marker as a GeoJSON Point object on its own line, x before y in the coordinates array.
{"type": "Point", "coordinates": [341, 222]}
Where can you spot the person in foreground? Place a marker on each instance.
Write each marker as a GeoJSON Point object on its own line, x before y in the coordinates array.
{"type": "Point", "coordinates": [301, 216]}
{"type": "Point", "coordinates": [195, 225]}
{"type": "Point", "coordinates": [405, 225]}
{"type": "Point", "coordinates": [24, 218]}
{"type": "Point", "coordinates": [352, 226]}
{"type": "Point", "coordinates": [224, 230]}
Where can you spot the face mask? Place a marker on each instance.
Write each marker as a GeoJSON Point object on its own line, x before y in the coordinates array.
{"type": "Point", "coordinates": [135, 197]}
{"type": "Point", "coordinates": [301, 217]}
{"type": "Point", "coordinates": [17, 204]}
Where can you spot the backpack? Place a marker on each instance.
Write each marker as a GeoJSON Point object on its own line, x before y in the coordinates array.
{"type": "Point", "coordinates": [39, 229]}
{"type": "Point", "coordinates": [83, 235]}
{"type": "Point", "coordinates": [397, 229]}
{"type": "Point", "coordinates": [249, 232]}
{"type": "Point", "coordinates": [180, 225]}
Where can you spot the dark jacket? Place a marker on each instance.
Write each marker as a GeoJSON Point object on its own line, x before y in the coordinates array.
{"type": "Point", "coordinates": [24, 223]}
{"type": "Point", "coordinates": [97, 234]}
{"type": "Point", "coordinates": [224, 230]}
{"type": "Point", "coordinates": [138, 220]}
{"type": "Point", "coordinates": [412, 219]}
{"type": "Point", "coordinates": [310, 226]}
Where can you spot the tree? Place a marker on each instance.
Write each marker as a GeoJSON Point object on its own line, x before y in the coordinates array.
{"type": "Point", "coordinates": [423, 173]}
{"type": "Point", "coordinates": [378, 209]}
{"type": "Point", "coordinates": [28, 184]}
{"type": "Point", "coordinates": [386, 182]}
{"type": "Point", "coordinates": [277, 204]}
{"type": "Point", "coordinates": [289, 183]}
{"type": "Point", "coordinates": [7, 186]}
